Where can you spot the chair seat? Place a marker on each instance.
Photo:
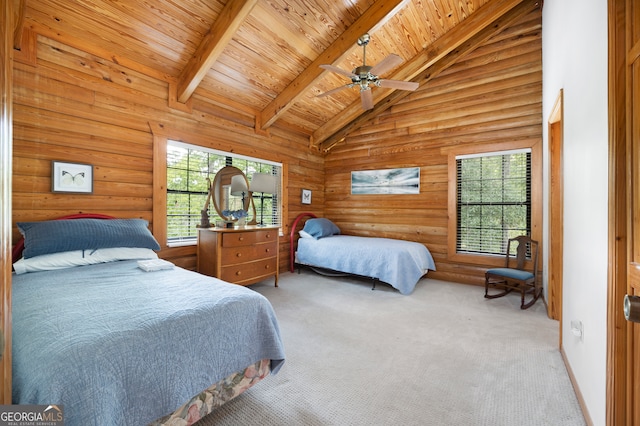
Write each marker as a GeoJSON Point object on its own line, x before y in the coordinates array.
{"type": "Point", "coordinates": [515, 274]}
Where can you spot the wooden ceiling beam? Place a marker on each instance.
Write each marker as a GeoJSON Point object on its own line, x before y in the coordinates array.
{"type": "Point", "coordinates": [212, 45]}
{"type": "Point", "coordinates": [374, 17]}
{"type": "Point", "coordinates": [489, 20]}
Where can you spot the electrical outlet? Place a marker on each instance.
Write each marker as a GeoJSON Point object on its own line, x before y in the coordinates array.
{"type": "Point", "coordinates": [577, 330]}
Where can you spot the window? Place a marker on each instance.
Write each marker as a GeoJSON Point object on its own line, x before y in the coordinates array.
{"type": "Point", "coordinates": [190, 169]}
{"type": "Point", "coordinates": [493, 201]}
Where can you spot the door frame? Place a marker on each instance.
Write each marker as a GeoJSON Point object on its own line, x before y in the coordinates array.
{"type": "Point", "coordinates": [620, 382]}
{"type": "Point", "coordinates": [8, 16]}
{"type": "Point", "coordinates": [556, 211]}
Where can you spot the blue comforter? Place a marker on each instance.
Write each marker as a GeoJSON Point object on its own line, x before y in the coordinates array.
{"type": "Point", "coordinates": [119, 346]}
{"type": "Point", "coordinates": [396, 262]}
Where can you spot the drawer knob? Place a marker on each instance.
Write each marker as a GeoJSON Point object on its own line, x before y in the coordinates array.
{"type": "Point", "coordinates": [267, 250]}
{"type": "Point", "coordinates": [240, 238]}
{"type": "Point", "coordinates": [238, 273]}
{"type": "Point", "coordinates": [267, 266]}
{"type": "Point", "coordinates": [239, 254]}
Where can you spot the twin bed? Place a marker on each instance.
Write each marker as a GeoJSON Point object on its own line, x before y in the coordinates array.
{"type": "Point", "coordinates": [320, 244]}
{"type": "Point", "coordinates": [118, 343]}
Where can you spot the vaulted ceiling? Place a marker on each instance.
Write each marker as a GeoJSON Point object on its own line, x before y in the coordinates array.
{"type": "Point", "coordinates": [261, 58]}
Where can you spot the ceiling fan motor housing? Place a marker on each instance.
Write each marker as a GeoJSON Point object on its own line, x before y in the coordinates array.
{"type": "Point", "coordinates": [362, 76]}
{"type": "Point", "coordinates": [362, 70]}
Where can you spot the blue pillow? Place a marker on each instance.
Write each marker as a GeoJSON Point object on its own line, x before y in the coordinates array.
{"type": "Point", "coordinates": [320, 227]}
{"type": "Point", "coordinates": [55, 236]}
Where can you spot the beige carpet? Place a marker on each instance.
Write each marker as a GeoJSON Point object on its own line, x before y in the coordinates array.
{"type": "Point", "coordinates": [443, 355]}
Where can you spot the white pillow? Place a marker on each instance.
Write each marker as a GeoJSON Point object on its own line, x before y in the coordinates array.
{"type": "Point", "coordinates": [304, 234]}
{"type": "Point", "coordinates": [69, 259]}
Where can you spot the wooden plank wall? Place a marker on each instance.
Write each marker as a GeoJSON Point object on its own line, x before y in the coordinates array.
{"type": "Point", "coordinates": [493, 95]}
{"type": "Point", "coordinates": [70, 105]}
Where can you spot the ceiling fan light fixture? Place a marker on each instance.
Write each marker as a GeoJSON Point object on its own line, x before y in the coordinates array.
{"type": "Point", "coordinates": [364, 75]}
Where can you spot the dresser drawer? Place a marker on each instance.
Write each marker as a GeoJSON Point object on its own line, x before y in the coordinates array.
{"type": "Point", "coordinates": [266, 235]}
{"type": "Point", "coordinates": [237, 239]}
{"type": "Point", "coordinates": [249, 272]}
{"type": "Point", "coordinates": [243, 254]}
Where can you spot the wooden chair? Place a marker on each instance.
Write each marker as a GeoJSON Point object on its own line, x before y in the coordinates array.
{"type": "Point", "coordinates": [514, 276]}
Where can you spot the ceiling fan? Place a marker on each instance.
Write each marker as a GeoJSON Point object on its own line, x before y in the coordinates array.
{"type": "Point", "coordinates": [366, 76]}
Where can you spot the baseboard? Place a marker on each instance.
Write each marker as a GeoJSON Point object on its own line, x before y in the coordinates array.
{"type": "Point", "coordinates": [576, 389]}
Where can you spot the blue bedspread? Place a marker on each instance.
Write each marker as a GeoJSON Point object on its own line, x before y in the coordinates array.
{"type": "Point", "coordinates": [119, 346]}
{"type": "Point", "coordinates": [396, 262]}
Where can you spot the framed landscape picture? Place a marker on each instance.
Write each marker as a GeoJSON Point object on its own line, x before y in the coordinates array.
{"type": "Point", "coordinates": [388, 181]}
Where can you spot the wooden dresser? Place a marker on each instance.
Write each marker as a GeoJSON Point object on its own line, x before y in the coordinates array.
{"type": "Point", "coordinates": [239, 255]}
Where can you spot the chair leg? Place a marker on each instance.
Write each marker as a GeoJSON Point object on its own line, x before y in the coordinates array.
{"type": "Point", "coordinates": [493, 296]}
{"type": "Point", "coordinates": [536, 295]}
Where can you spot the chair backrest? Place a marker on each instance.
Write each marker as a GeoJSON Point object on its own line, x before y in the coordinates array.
{"type": "Point", "coordinates": [525, 244]}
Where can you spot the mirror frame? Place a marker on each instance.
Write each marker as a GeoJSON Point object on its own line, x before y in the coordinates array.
{"type": "Point", "coordinates": [217, 191]}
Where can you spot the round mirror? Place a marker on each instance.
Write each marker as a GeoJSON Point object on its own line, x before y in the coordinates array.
{"type": "Point", "coordinates": [230, 192]}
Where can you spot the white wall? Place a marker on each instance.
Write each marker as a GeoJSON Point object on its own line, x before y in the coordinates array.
{"type": "Point", "coordinates": [575, 59]}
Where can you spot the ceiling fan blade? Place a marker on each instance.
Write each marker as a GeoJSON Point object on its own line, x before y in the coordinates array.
{"type": "Point", "coordinates": [397, 84]}
{"type": "Point", "coordinates": [367, 98]}
{"type": "Point", "coordinates": [332, 91]}
{"type": "Point", "coordinates": [338, 70]}
{"type": "Point", "coordinates": [387, 64]}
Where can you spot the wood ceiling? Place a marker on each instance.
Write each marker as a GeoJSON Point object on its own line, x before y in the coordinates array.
{"type": "Point", "coordinates": [261, 58]}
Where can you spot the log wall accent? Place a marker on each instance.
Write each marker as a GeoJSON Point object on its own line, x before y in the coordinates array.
{"type": "Point", "coordinates": [492, 96]}
{"type": "Point", "coordinates": [72, 106]}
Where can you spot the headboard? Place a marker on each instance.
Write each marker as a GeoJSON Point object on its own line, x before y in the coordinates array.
{"type": "Point", "coordinates": [16, 252]}
{"type": "Point", "coordinates": [293, 239]}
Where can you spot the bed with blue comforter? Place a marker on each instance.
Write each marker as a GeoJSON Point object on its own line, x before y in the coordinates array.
{"type": "Point", "coordinates": [115, 344]}
{"type": "Point", "coordinates": [396, 262]}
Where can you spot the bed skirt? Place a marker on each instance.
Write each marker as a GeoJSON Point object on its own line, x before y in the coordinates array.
{"type": "Point", "coordinates": [214, 396]}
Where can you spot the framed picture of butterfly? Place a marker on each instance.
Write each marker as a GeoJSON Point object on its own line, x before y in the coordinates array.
{"type": "Point", "coordinates": [71, 177]}
{"type": "Point", "coordinates": [306, 196]}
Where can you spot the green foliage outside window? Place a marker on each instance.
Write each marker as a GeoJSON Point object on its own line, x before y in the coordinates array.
{"type": "Point", "coordinates": [493, 202]}
{"type": "Point", "coordinates": [187, 188]}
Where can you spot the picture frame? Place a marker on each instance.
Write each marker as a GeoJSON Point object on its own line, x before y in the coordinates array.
{"type": "Point", "coordinates": [306, 196]}
{"type": "Point", "coordinates": [404, 180]}
{"type": "Point", "coordinates": [71, 177]}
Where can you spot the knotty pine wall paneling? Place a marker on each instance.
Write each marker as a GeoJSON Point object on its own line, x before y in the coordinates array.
{"type": "Point", "coordinates": [70, 105]}
{"type": "Point", "coordinates": [493, 95]}
{"type": "Point", "coordinates": [74, 106]}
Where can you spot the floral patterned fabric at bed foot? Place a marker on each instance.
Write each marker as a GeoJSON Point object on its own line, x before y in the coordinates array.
{"type": "Point", "coordinates": [216, 395]}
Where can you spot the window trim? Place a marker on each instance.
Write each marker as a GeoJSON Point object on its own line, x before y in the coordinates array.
{"type": "Point", "coordinates": [527, 178]}
{"type": "Point", "coordinates": [536, 197]}
{"type": "Point", "coordinates": [161, 136]}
